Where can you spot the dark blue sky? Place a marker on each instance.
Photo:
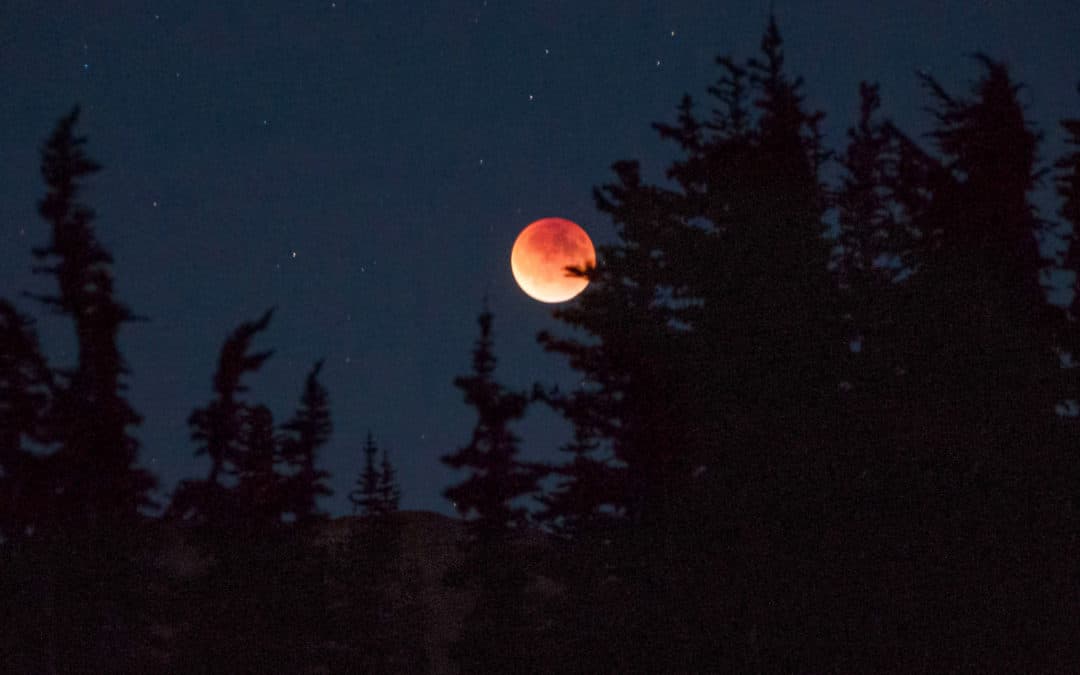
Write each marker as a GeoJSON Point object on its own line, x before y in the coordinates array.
{"type": "Point", "coordinates": [365, 167]}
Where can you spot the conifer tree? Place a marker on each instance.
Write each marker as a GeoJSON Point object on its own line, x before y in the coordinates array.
{"type": "Point", "coordinates": [217, 428]}
{"type": "Point", "coordinates": [229, 515]}
{"type": "Point", "coordinates": [260, 604]}
{"type": "Point", "coordinates": [25, 392]}
{"type": "Point", "coordinates": [714, 374]}
{"type": "Point", "coordinates": [388, 489]}
{"type": "Point", "coordinates": [90, 417]}
{"type": "Point", "coordinates": [497, 635]}
{"type": "Point", "coordinates": [378, 616]}
{"type": "Point", "coordinates": [956, 381]}
{"type": "Point", "coordinates": [259, 488]}
{"type": "Point", "coordinates": [365, 498]}
{"type": "Point", "coordinates": [91, 546]}
{"type": "Point", "coordinates": [26, 494]}
{"type": "Point", "coordinates": [1067, 184]}
{"type": "Point", "coordinates": [496, 477]}
{"type": "Point", "coordinates": [1067, 180]}
{"type": "Point", "coordinates": [308, 431]}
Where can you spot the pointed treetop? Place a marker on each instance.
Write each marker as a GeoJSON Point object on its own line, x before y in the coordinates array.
{"type": "Point", "coordinates": [366, 497]}
{"type": "Point", "coordinates": [389, 491]}
{"type": "Point", "coordinates": [235, 360]}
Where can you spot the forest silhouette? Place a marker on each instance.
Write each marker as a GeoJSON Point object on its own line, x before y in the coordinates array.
{"type": "Point", "coordinates": [821, 426]}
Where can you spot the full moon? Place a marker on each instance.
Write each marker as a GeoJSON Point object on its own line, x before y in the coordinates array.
{"type": "Point", "coordinates": [541, 254]}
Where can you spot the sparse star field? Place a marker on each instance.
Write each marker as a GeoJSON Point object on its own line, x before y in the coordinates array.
{"type": "Point", "coordinates": [364, 167]}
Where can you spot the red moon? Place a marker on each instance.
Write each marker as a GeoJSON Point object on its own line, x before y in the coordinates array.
{"type": "Point", "coordinates": [541, 254]}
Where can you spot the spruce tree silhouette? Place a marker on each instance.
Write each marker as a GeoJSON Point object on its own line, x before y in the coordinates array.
{"type": "Point", "coordinates": [377, 618]}
{"type": "Point", "coordinates": [365, 498]}
{"type": "Point", "coordinates": [497, 635]}
{"type": "Point", "coordinates": [26, 386]}
{"type": "Point", "coordinates": [1067, 180]}
{"type": "Point", "coordinates": [1067, 185]}
{"type": "Point", "coordinates": [388, 489]}
{"type": "Point", "coordinates": [715, 380]}
{"type": "Point", "coordinates": [26, 494]}
{"type": "Point", "coordinates": [308, 431]}
{"type": "Point", "coordinates": [91, 416]}
{"type": "Point", "coordinates": [91, 548]}
{"type": "Point", "coordinates": [259, 490]}
{"type": "Point", "coordinates": [225, 617]}
{"type": "Point", "coordinates": [876, 255]}
{"type": "Point", "coordinates": [217, 428]}
{"type": "Point", "coordinates": [981, 382]}
{"type": "Point", "coordinates": [260, 603]}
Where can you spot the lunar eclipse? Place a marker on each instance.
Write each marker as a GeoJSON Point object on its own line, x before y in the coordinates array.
{"type": "Point", "coordinates": [543, 252]}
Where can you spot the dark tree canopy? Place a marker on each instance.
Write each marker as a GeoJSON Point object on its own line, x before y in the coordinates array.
{"type": "Point", "coordinates": [824, 420]}
{"type": "Point", "coordinates": [365, 498]}
{"type": "Point", "coordinates": [496, 634]}
{"type": "Point", "coordinates": [794, 410]}
{"type": "Point", "coordinates": [26, 388]}
{"type": "Point", "coordinates": [90, 414]}
{"type": "Point", "coordinates": [218, 429]}
{"type": "Point", "coordinates": [388, 488]}
{"type": "Point", "coordinates": [308, 431]}
{"type": "Point", "coordinates": [496, 478]}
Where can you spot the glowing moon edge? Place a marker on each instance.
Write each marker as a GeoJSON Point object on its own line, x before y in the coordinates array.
{"type": "Point", "coordinates": [542, 252]}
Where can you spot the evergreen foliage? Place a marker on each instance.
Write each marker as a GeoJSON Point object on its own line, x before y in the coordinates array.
{"type": "Point", "coordinates": [496, 634]}
{"type": "Point", "coordinates": [308, 431]}
{"type": "Point", "coordinates": [817, 427]}
{"type": "Point", "coordinates": [26, 385]}
{"type": "Point", "coordinates": [388, 489]}
{"type": "Point", "coordinates": [77, 546]}
{"type": "Point", "coordinates": [365, 498]}
{"type": "Point", "coordinates": [797, 410]}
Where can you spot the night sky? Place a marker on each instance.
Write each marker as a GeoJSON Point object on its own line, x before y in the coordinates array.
{"type": "Point", "coordinates": [366, 166]}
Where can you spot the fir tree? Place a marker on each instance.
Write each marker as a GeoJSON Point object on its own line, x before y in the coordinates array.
{"type": "Point", "coordinates": [308, 431]}
{"type": "Point", "coordinates": [388, 489]}
{"type": "Point", "coordinates": [712, 379]}
{"type": "Point", "coordinates": [92, 543]}
{"type": "Point", "coordinates": [497, 635]}
{"type": "Point", "coordinates": [1067, 180]}
{"type": "Point", "coordinates": [90, 417]}
{"type": "Point", "coordinates": [260, 604]}
{"type": "Point", "coordinates": [218, 429]}
{"type": "Point", "coordinates": [497, 478]}
{"type": "Point", "coordinates": [365, 498]}
{"type": "Point", "coordinates": [25, 392]}
{"type": "Point", "coordinates": [26, 493]}
{"type": "Point", "coordinates": [956, 381]}
{"type": "Point", "coordinates": [259, 489]}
